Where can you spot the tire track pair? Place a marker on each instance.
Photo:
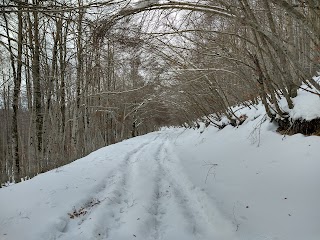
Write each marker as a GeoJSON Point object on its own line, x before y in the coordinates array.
{"type": "Point", "coordinates": [109, 192]}
{"type": "Point", "coordinates": [119, 197]}
{"type": "Point", "coordinates": [168, 195]}
{"type": "Point", "coordinates": [181, 208]}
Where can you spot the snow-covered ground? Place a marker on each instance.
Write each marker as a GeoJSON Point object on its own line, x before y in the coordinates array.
{"type": "Point", "coordinates": [245, 183]}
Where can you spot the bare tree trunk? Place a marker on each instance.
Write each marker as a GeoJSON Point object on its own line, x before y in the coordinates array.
{"type": "Point", "coordinates": [15, 101]}
{"type": "Point", "coordinates": [17, 74]}
{"type": "Point", "coordinates": [37, 105]}
{"type": "Point", "coordinates": [75, 122]}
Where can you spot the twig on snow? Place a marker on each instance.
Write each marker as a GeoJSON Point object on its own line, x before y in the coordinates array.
{"type": "Point", "coordinates": [212, 166]}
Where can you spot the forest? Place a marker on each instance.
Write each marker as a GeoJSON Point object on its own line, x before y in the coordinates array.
{"type": "Point", "coordinates": [80, 75]}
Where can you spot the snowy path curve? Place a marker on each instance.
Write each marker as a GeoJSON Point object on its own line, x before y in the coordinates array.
{"type": "Point", "coordinates": [133, 190]}
{"type": "Point", "coordinates": [148, 197]}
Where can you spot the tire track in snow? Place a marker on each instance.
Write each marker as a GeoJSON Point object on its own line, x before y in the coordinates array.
{"type": "Point", "coordinates": [148, 196]}
{"type": "Point", "coordinates": [141, 187]}
{"type": "Point", "coordinates": [170, 201]}
{"type": "Point", "coordinates": [179, 210]}
{"type": "Point", "coordinates": [121, 198]}
{"type": "Point", "coordinates": [110, 192]}
{"type": "Point", "coordinates": [153, 222]}
{"type": "Point", "coordinates": [163, 208]}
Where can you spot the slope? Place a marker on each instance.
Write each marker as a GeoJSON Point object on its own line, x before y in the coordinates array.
{"type": "Point", "coordinates": [247, 183]}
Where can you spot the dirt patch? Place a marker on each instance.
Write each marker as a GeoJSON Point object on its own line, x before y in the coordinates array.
{"type": "Point", "coordinates": [84, 209]}
{"type": "Point", "coordinates": [304, 127]}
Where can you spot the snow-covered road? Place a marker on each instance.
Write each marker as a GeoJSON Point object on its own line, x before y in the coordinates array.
{"type": "Point", "coordinates": [133, 190]}
{"type": "Point", "coordinates": [147, 197]}
{"type": "Point", "coordinates": [176, 184]}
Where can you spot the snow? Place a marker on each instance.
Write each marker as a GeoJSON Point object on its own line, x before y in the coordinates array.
{"type": "Point", "coordinates": [244, 183]}
{"type": "Point", "coordinates": [278, 181]}
{"type": "Point", "coordinates": [306, 105]}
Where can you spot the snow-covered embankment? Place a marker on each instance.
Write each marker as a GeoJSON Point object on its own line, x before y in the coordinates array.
{"type": "Point", "coordinates": [247, 183]}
